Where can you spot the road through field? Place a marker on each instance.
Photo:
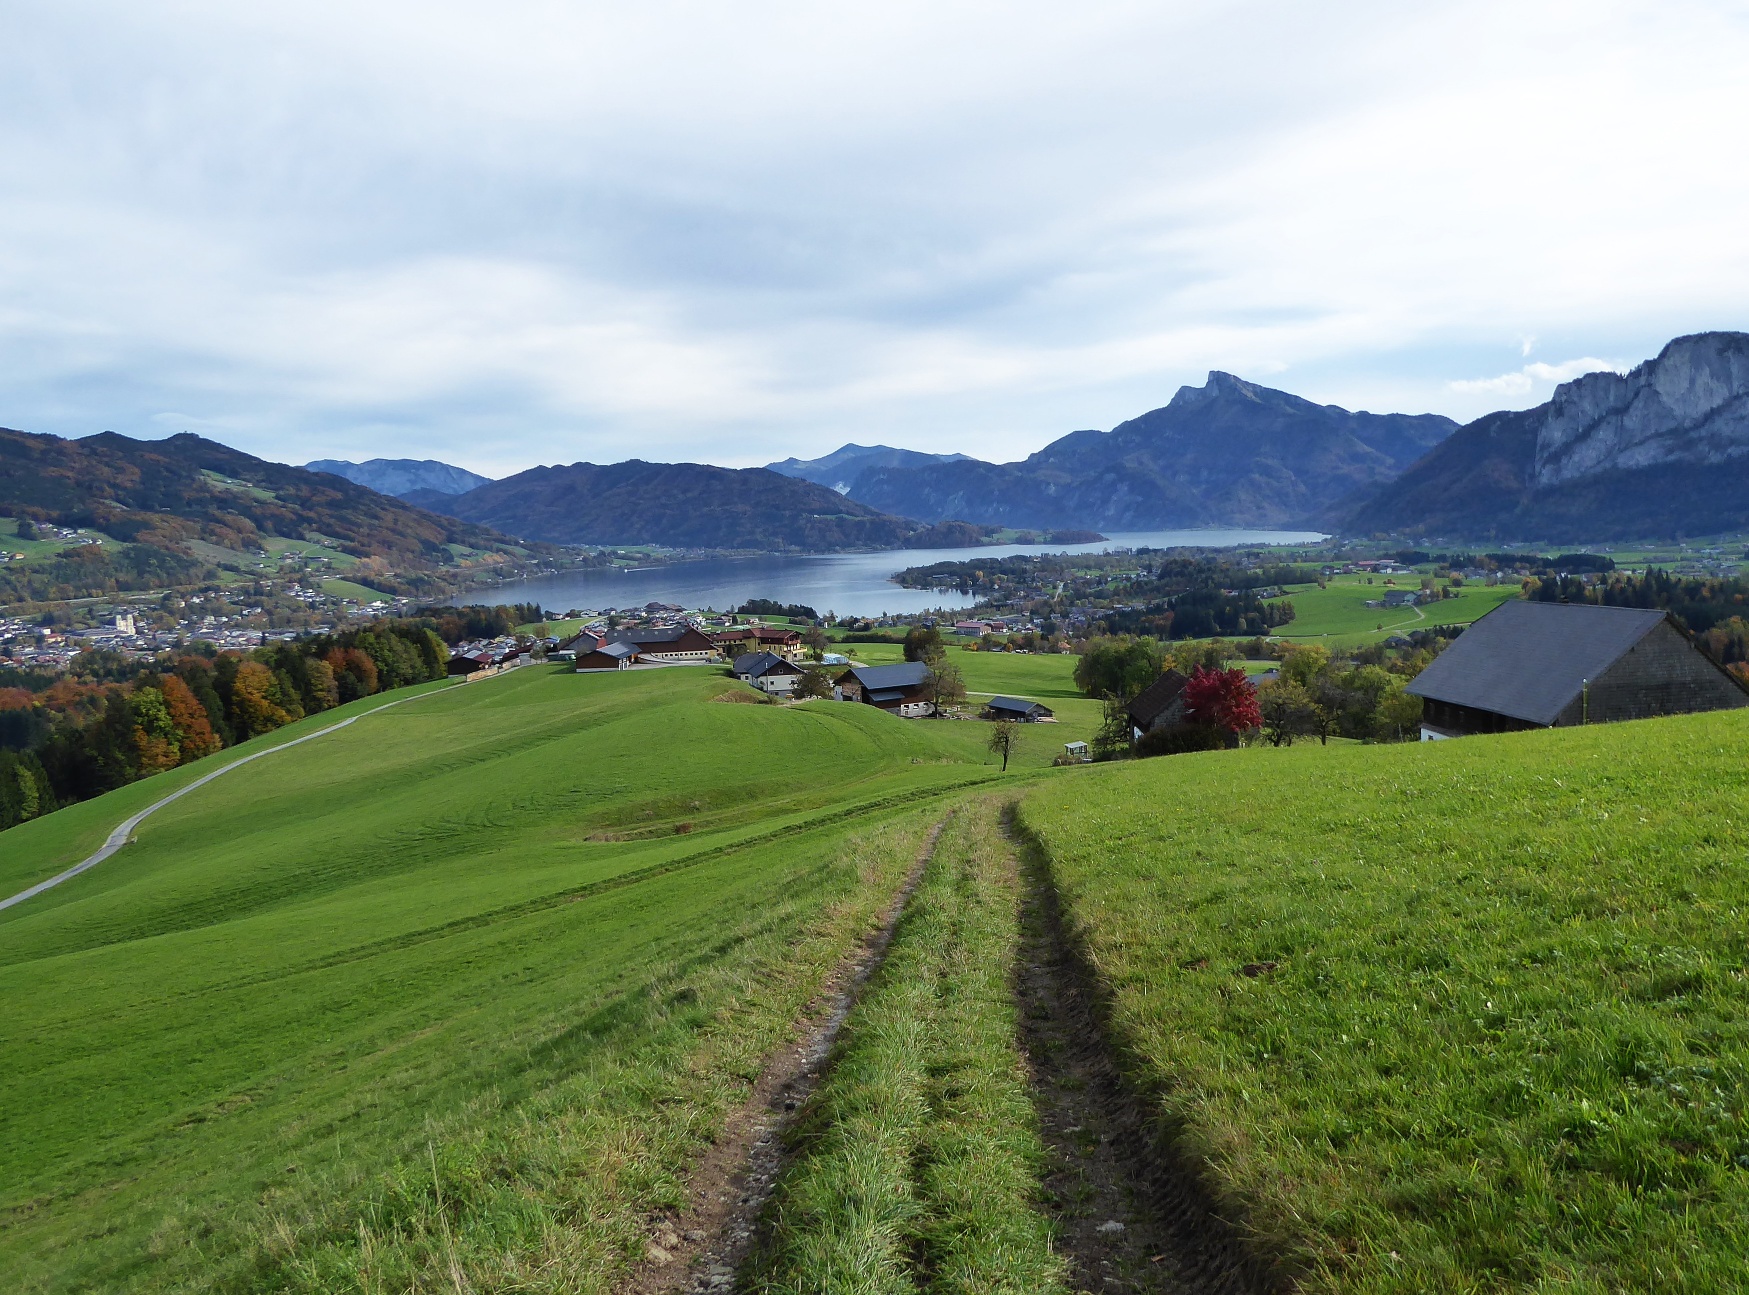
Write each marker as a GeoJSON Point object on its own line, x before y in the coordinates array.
{"type": "Point", "coordinates": [119, 837]}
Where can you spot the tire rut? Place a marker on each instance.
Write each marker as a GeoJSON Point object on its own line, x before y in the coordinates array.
{"type": "Point", "coordinates": [703, 1248]}
{"type": "Point", "coordinates": [1130, 1216]}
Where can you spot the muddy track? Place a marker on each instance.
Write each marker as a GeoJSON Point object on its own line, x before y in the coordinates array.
{"type": "Point", "coordinates": [701, 1249]}
{"type": "Point", "coordinates": [1130, 1215]}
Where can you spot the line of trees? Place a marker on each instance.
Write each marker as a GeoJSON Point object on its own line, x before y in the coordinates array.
{"type": "Point", "coordinates": [109, 722]}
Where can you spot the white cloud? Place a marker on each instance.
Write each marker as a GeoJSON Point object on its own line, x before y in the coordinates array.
{"type": "Point", "coordinates": [546, 232]}
{"type": "Point", "coordinates": [1523, 381]}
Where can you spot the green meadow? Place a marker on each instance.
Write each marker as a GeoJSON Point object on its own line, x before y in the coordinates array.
{"type": "Point", "coordinates": [1338, 612]}
{"type": "Point", "coordinates": [1459, 1016]}
{"type": "Point", "coordinates": [453, 994]}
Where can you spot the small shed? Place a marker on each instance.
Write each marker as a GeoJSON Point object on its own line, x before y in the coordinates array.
{"type": "Point", "coordinates": [1075, 750]}
{"type": "Point", "coordinates": [1549, 665]}
{"type": "Point", "coordinates": [1018, 708]}
{"type": "Point", "coordinates": [609, 656]}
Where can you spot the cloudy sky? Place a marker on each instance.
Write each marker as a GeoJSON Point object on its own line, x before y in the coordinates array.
{"type": "Point", "coordinates": [542, 232]}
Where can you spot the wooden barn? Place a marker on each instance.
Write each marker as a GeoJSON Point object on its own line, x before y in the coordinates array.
{"type": "Point", "coordinates": [896, 688]}
{"type": "Point", "coordinates": [1019, 709]}
{"type": "Point", "coordinates": [1551, 665]}
{"type": "Point", "coordinates": [1159, 705]}
{"type": "Point", "coordinates": [674, 644]}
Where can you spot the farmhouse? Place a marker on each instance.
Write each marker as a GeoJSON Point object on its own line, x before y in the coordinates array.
{"type": "Point", "coordinates": [675, 644]}
{"type": "Point", "coordinates": [734, 641]}
{"type": "Point", "coordinates": [609, 656]}
{"type": "Point", "coordinates": [1159, 705]}
{"type": "Point", "coordinates": [897, 688]}
{"type": "Point", "coordinates": [1017, 708]}
{"type": "Point", "coordinates": [1550, 665]}
{"type": "Point", "coordinates": [767, 672]}
{"type": "Point", "coordinates": [775, 638]}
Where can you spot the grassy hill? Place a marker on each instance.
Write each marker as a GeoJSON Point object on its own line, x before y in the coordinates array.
{"type": "Point", "coordinates": [513, 947]}
{"type": "Point", "coordinates": [159, 502]}
{"type": "Point", "coordinates": [1459, 1016]}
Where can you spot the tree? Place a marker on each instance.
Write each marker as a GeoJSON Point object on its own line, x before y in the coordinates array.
{"type": "Point", "coordinates": [1304, 662]}
{"type": "Point", "coordinates": [923, 644]}
{"type": "Point", "coordinates": [1004, 734]}
{"type": "Point", "coordinates": [942, 684]}
{"type": "Point", "coordinates": [1118, 667]}
{"type": "Point", "coordinates": [1223, 698]}
{"type": "Point", "coordinates": [1113, 737]}
{"type": "Point", "coordinates": [1286, 711]}
{"type": "Point", "coordinates": [1209, 654]}
{"type": "Point", "coordinates": [253, 705]}
{"type": "Point", "coordinates": [193, 725]}
{"type": "Point", "coordinates": [1399, 713]}
{"type": "Point", "coordinates": [158, 743]}
{"type": "Point", "coordinates": [813, 683]}
{"type": "Point", "coordinates": [817, 642]}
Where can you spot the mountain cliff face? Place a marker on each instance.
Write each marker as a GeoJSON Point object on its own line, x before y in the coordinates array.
{"type": "Point", "coordinates": [687, 505]}
{"type": "Point", "coordinates": [1658, 452]}
{"type": "Point", "coordinates": [402, 477]}
{"type": "Point", "coordinates": [1227, 453]}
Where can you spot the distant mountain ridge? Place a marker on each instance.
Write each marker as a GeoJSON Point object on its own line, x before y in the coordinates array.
{"type": "Point", "coordinates": [402, 477]}
{"type": "Point", "coordinates": [689, 505]}
{"type": "Point", "coordinates": [840, 468]}
{"type": "Point", "coordinates": [1230, 452]}
{"type": "Point", "coordinates": [1658, 452]}
{"type": "Point", "coordinates": [161, 497]}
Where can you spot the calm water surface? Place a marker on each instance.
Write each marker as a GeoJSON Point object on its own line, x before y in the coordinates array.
{"type": "Point", "coordinates": [850, 584]}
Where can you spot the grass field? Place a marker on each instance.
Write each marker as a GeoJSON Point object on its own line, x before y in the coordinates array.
{"type": "Point", "coordinates": [1464, 1016]}
{"type": "Point", "coordinates": [351, 589]}
{"type": "Point", "coordinates": [1339, 613]}
{"type": "Point", "coordinates": [445, 1000]}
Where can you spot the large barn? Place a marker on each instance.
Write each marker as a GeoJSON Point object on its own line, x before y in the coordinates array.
{"type": "Point", "coordinates": [1550, 665]}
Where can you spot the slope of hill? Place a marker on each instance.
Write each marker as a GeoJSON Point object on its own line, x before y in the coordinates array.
{"type": "Point", "coordinates": [686, 505]}
{"type": "Point", "coordinates": [1659, 452]}
{"type": "Point", "coordinates": [463, 987]}
{"type": "Point", "coordinates": [402, 477]}
{"type": "Point", "coordinates": [1458, 1016]}
{"type": "Point", "coordinates": [840, 468]}
{"type": "Point", "coordinates": [1227, 453]}
{"type": "Point", "coordinates": [160, 495]}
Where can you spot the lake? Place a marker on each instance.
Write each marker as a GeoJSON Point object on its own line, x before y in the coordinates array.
{"type": "Point", "coordinates": [850, 584]}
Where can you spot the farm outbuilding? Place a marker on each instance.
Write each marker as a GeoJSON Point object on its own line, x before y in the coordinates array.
{"type": "Point", "coordinates": [1018, 708]}
{"type": "Point", "coordinates": [609, 656]}
{"type": "Point", "coordinates": [900, 689]}
{"type": "Point", "coordinates": [1159, 705]}
{"type": "Point", "coordinates": [672, 644]}
{"type": "Point", "coordinates": [1551, 665]}
{"type": "Point", "coordinates": [767, 672]}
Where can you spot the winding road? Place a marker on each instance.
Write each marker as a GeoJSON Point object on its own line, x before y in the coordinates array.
{"type": "Point", "coordinates": [119, 837]}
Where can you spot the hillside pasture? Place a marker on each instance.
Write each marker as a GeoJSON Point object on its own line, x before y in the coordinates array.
{"type": "Point", "coordinates": [1339, 613]}
{"type": "Point", "coordinates": [453, 995]}
{"type": "Point", "coordinates": [1458, 1016]}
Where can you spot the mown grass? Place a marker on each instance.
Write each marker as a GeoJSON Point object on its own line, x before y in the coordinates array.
{"type": "Point", "coordinates": [1339, 610]}
{"type": "Point", "coordinates": [1462, 1016]}
{"type": "Point", "coordinates": [446, 1000]}
{"type": "Point", "coordinates": [920, 1154]}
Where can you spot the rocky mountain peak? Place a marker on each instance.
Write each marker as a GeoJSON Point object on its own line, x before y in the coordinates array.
{"type": "Point", "coordinates": [1690, 404]}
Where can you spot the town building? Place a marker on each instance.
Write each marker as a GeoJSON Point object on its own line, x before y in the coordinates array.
{"type": "Point", "coordinates": [670, 645]}
{"type": "Point", "coordinates": [1551, 665]}
{"type": "Point", "coordinates": [901, 689]}
{"type": "Point", "coordinates": [767, 672]}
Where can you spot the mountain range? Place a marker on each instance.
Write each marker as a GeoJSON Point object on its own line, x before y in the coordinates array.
{"type": "Point", "coordinates": [402, 478]}
{"type": "Point", "coordinates": [1658, 452]}
{"type": "Point", "coordinates": [841, 467]}
{"type": "Point", "coordinates": [1229, 453]}
{"type": "Point", "coordinates": [688, 505]}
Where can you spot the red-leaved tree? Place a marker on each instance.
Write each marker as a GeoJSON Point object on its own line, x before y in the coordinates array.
{"type": "Point", "coordinates": [1222, 698]}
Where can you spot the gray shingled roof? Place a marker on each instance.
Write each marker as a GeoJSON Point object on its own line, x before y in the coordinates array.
{"type": "Point", "coordinates": [906, 675]}
{"type": "Point", "coordinates": [667, 634]}
{"type": "Point", "coordinates": [1019, 705]}
{"type": "Point", "coordinates": [758, 664]}
{"type": "Point", "coordinates": [1529, 660]}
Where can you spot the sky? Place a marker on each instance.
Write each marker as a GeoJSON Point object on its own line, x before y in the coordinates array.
{"type": "Point", "coordinates": [518, 233]}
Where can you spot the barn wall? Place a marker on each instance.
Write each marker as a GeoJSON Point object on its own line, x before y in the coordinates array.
{"type": "Point", "coordinates": [1663, 674]}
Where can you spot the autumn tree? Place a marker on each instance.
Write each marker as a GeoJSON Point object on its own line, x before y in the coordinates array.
{"type": "Point", "coordinates": [156, 739]}
{"type": "Point", "coordinates": [254, 701]}
{"type": "Point", "coordinates": [816, 641]}
{"type": "Point", "coordinates": [813, 683]}
{"type": "Point", "coordinates": [194, 728]}
{"type": "Point", "coordinates": [1223, 699]}
{"type": "Point", "coordinates": [1118, 667]}
{"type": "Point", "coordinates": [923, 643]}
{"type": "Point", "coordinates": [943, 685]}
